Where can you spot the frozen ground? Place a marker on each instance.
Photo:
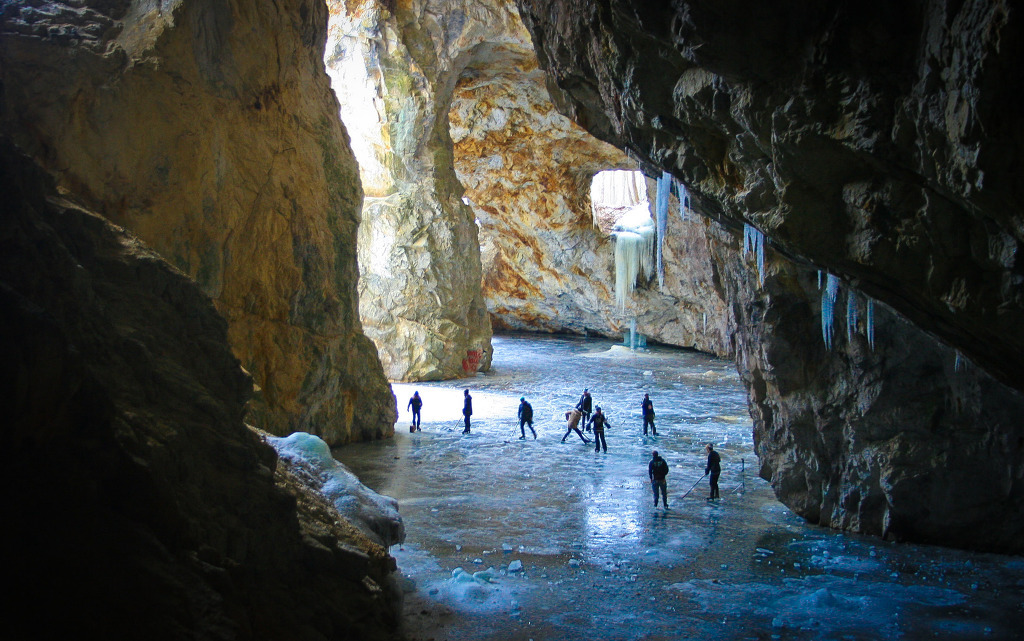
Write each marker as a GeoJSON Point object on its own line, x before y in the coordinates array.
{"type": "Point", "coordinates": [599, 562]}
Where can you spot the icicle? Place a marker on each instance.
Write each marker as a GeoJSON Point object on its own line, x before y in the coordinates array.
{"type": "Point", "coordinates": [851, 314]}
{"type": "Point", "coordinates": [705, 322]}
{"type": "Point", "coordinates": [819, 279]}
{"type": "Point", "coordinates": [634, 251]}
{"type": "Point", "coordinates": [682, 196]}
{"type": "Point", "coordinates": [753, 241]}
{"type": "Point", "coordinates": [661, 216]}
{"type": "Point", "coordinates": [869, 322]}
{"type": "Point", "coordinates": [828, 301]}
{"type": "Point", "coordinates": [958, 363]}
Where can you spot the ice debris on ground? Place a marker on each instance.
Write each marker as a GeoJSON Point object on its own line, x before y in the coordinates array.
{"type": "Point", "coordinates": [515, 566]}
{"type": "Point", "coordinates": [310, 459]}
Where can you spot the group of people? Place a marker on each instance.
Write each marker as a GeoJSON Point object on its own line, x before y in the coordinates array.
{"type": "Point", "coordinates": [593, 419]}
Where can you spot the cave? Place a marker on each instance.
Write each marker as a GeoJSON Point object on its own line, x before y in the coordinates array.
{"type": "Point", "coordinates": [226, 223]}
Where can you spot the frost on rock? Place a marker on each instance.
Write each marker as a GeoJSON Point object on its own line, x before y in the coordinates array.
{"type": "Point", "coordinates": [374, 514]}
{"type": "Point", "coordinates": [634, 251]}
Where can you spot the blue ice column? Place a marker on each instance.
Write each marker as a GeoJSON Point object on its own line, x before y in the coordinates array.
{"type": "Point", "coordinates": [683, 196]}
{"type": "Point", "coordinates": [851, 314]}
{"type": "Point", "coordinates": [661, 218]}
{"type": "Point", "coordinates": [869, 322]}
{"type": "Point", "coordinates": [828, 303]}
{"type": "Point", "coordinates": [753, 240]}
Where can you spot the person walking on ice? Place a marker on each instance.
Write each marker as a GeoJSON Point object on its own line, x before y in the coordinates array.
{"type": "Point", "coordinates": [573, 420]}
{"type": "Point", "coordinates": [657, 470]}
{"type": "Point", "coordinates": [647, 409]}
{"type": "Point", "coordinates": [585, 404]}
{"type": "Point", "coordinates": [714, 467]}
{"type": "Point", "coordinates": [599, 422]}
{"type": "Point", "coordinates": [415, 403]}
{"type": "Point", "coordinates": [525, 417]}
{"type": "Point", "coordinates": [467, 409]}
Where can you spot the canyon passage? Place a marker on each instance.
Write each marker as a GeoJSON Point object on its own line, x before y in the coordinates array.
{"type": "Point", "coordinates": [598, 560]}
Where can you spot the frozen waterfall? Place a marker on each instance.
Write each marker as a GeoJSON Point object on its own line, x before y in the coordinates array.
{"type": "Point", "coordinates": [634, 250]}
{"type": "Point", "coordinates": [617, 188]}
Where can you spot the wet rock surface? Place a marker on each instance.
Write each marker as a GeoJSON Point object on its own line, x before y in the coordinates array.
{"type": "Point", "coordinates": [210, 131]}
{"type": "Point", "coordinates": [140, 505]}
{"type": "Point", "coordinates": [598, 561]}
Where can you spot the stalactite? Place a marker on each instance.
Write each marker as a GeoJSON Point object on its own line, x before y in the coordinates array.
{"type": "Point", "coordinates": [851, 314]}
{"type": "Point", "coordinates": [828, 302]}
{"type": "Point", "coordinates": [869, 322]}
{"type": "Point", "coordinates": [661, 216]}
{"type": "Point", "coordinates": [753, 241]}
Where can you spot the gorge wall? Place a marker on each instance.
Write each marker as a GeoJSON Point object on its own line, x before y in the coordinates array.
{"type": "Point", "coordinates": [211, 132]}
{"type": "Point", "coordinates": [139, 503]}
{"type": "Point", "coordinates": [876, 145]}
{"type": "Point", "coordinates": [393, 66]}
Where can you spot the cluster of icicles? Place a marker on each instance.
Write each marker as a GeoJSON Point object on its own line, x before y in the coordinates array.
{"type": "Point", "coordinates": [829, 294]}
{"type": "Point", "coordinates": [638, 239]}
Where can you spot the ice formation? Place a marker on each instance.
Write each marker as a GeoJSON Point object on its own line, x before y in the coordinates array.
{"type": "Point", "coordinates": [665, 183]}
{"type": "Point", "coordinates": [753, 240]}
{"type": "Point", "coordinates": [851, 314]}
{"type": "Point", "coordinates": [375, 515]}
{"type": "Point", "coordinates": [869, 322]}
{"type": "Point", "coordinates": [634, 249]}
{"type": "Point", "coordinates": [683, 196]}
{"type": "Point", "coordinates": [828, 303]}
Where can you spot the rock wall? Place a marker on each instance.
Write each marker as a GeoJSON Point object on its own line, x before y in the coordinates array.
{"type": "Point", "coordinates": [210, 131]}
{"type": "Point", "coordinates": [527, 171]}
{"type": "Point", "coordinates": [141, 504]}
{"type": "Point", "coordinates": [877, 145]}
{"type": "Point", "coordinates": [393, 66]}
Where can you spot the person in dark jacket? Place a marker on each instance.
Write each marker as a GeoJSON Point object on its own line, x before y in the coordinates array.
{"type": "Point", "coordinates": [585, 406]}
{"type": "Point", "coordinates": [572, 418]}
{"type": "Point", "coordinates": [657, 470]}
{"type": "Point", "coordinates": [647, 409]}
{"type": "Point", "coordinates": [525, 417]}
{"type": "Point", "coordinates": [714, 467]}
{"type": "Point", "coordinates": [415, 403]}
{"type": "Point", "coordinates": [598, 421]}
{"type": "Point", "coordinates": [467, 409]}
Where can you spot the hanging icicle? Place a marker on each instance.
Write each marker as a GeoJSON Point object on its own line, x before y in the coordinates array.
{"type": "Point", "coordinates": [661, 216]}
{"type": "Point", "coordinates": [682, 196]}
{"type": "Point", "coordinates": [753, 241]}
{"type": "Point", "coordinates": [820, 277]}
{"type": "Point", "coordinates": [958, 362]}
{"type": "Point", "coordinates": [828, 302]}
{"type": "Point", "coordinates": [869, 322]}
{"type": "Point", "coordinates": [851, 314]}
{"type": "Point", "coordinates": [634, 251]}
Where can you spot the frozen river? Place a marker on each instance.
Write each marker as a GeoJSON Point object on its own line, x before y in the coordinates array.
{"type": "Point", "coordinates": [598, 561]}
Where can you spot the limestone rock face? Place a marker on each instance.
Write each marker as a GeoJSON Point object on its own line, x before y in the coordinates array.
{"type": "Point", "coordinates": [879, 144]}
{"type": "Point", "coordinates": [394, 68]}
{"type": "Point", "coordinates": [905, 440]}
{"type": "Point", "coordinates": [527, 171]}
{"type": "Point", "coordinates": [142, 505]}
{"type": "Point", "coordinates": [210, 131]}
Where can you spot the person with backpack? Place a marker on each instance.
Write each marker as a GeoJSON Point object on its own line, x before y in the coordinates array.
{"type": "Point", "coordinates": [657, 470]}
{"type": "Point", "coordinates": [647, 409]}
{"type": "Point", "coordinates": [415, 403]}
{"type": "Point", "coordinates": [714, 466]}
{"type": "Point", "coordinates": [598, 421]}
{"type": "Point", "coordinates": [525, 417]}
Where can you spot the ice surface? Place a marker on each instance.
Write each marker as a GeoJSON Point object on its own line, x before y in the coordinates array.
{"type": "Point", "coordinates": [595, 550]}
{"type": "Point", "coordinates": [376, 515]}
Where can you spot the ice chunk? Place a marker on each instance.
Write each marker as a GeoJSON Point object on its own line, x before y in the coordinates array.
{"type": "Point", "coordinates": [310, 459]}
{"type": "Point", "coordinates": [515, 566]}
{"type": "Point", "coordinates": [506, 547]}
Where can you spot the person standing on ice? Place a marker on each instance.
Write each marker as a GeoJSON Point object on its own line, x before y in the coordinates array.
{"type": "Point", "coordinates": [714, 467]}
{"type": "Point", "coordinates": [585, 405]}
{"type": "Point", "coordinates": [657, 470]}
{"type": "Point", "coordinates": [599, 422]}
{"type": "Point", "coordinates": [467, 409]}
{"type": "Point", "coordinates": [573, 419]}
{"type": "Point", "coordinates": [647, 409]}
{"type": "Point", "coordinates": [415, 403]}
{"type": "Point", "coordinates": [525, 417]}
